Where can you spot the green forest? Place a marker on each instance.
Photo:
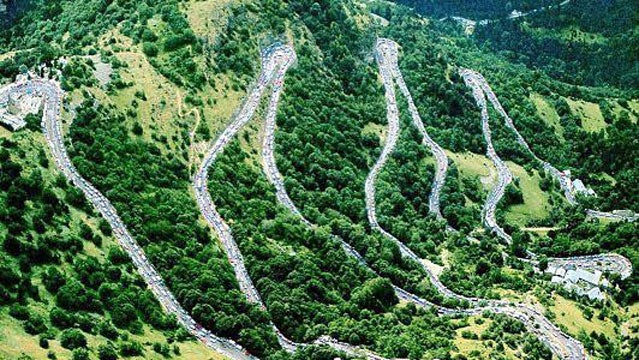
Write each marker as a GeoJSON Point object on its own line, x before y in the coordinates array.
{"type": "Point", "coordinates": [180, 68]}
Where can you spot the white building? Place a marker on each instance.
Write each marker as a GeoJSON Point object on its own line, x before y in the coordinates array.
{"type": "Point", "coordinates": [579, 187]}
{"type": "Point", "coordinates": [595, 294]}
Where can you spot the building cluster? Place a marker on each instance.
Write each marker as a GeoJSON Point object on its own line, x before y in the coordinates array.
{"type": "Point", "coordinates": [584, 274]}
{"type": "Point", "coordinates": [16, 102]}
{"type": "Point", "coordinates": [580, 281]}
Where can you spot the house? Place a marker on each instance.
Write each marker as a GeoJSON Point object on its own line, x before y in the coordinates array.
{"type": "Point", "coordinates": [595, 294]}
{"type": "Point", "coordinates": [579, 187]}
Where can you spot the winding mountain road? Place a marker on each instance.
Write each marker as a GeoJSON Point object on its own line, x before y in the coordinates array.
{"type": "Point", "coordinates": [610, 262]}
{"type": "Point", "coordinates": [275, 62]}
{"type": "Point", "coordinates": [386, 54]}
{"type": "Point", "coordinates": [275, 177]}
{"type": "Point", "coordinates": [515, 14]}
{"type": "Point", "coordinates": [532, 318]}
{"type": "Point", "coordinates": [52, 95]}
{"type": "Point", "coordinates": [561, 344]}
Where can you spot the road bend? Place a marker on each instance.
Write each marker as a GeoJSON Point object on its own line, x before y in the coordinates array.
{"type": "Point", "coordinates": [52, 94]}
{"type": "Point", "coordinates": [276, 179]}
{"type": "Point", "coordinates": [275, 62]}
{"type": "Point", "coordinates": [559, 343]}
{"type": "Point", "coordinates": [437, 151]}
{"type": "Point", "coordinates": [609, 262]}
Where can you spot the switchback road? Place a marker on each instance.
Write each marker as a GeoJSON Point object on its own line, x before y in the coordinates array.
{"type": "Point", "coordinates": [561, 344]}
{"type": "Point", "coordinates": [275, 62]}
{"type": "Point", "coordinates": [613, 263]}
{"type": "Point", "coordinates": [52, 95]}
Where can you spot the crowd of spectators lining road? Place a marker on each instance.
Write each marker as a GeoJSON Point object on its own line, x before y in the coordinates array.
{"type": "Point", "coordinates": [613, 263]}
{"type": "Point", "coordinates": [275, 62]}
{"type": "Point", "coordinates": [531, 317]}
{"type": "Point", "coordinates": [561, 344]}
{"type": "Point", "coordinates": [275, 178]}
{"type": "Point", "coordinates": [52, 95]}
{"type": "Point", "coordinates": [515, 14]}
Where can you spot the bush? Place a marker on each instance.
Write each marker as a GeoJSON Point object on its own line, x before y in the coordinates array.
{"type": "Point", "coordinates": [80, 354]}
{"type": "Point", "coordinates": [150, 49]}
{"type": "Point", "coordinates": [60, 318]}
{"type": "Point", "coordinates": [35, 325]}
{"type": "Point", "coordinates": [117, 256]}
{"type": "Point", "coordinates": [132, 348]}
{"type": "Point", "coordinates": [148, 35]}
{"type": "Point", "coordinates": [123, 315]}
{"type": "Point", "coordinates": [107, 330]}
{"type": "Point", "coordinates": [137, 129]}
{"type": "Point", "coordinates": [73, 339]}
{"type": "Point", "coordinates": [107, 352]}
{"type": "Point", "coordinates": [19, 312]}
{"type": "Point", "coordinates": [162, 349]}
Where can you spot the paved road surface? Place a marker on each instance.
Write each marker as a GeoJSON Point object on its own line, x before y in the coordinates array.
{"type": "Point", "coordinates": [561, 344]}
{"type": "Point", "coordinates": [605, 262]}
{"type": "Point", "coordinates": [52, 129]}
{"type": "Point", "coordinates": [513, 15]}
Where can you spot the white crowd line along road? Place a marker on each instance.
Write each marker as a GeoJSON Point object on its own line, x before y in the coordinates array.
{"type": "Point", "coordinates": [275, 62]}
{"type": "Point", "coordinates": [274, 176]}
{"type": "Point", "coordinates": [52, 129]}
{"type": "Point", "coordinates": [613, 263]}
{"type": "Point", "coordinates": [561, 344]}
{"type": "Point", "coordinates": [515, 14]}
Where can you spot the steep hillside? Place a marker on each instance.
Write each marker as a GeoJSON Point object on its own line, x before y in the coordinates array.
{"type": "Point", "coordinates": [153, 87]}
{"type": "Point", "coordinates": [489, 9]}
{"type": "Point", "coordinates": [588, 42]}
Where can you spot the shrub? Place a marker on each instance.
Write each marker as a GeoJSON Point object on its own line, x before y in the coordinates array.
{"type": "Point", "coordinates": [150, 49]}
{"type": "Point", "coordinates": [107, 352]}
{"type": "Point", "coordinates": [19, 312]}
{"type": "Point", "coordinates": [73, 339]}
{"type": "Point", "coordinates": [80, 354]}
{"type": "Point", "coordinates": [132, 348]}
{"type": "Point", "coordinates": [35, 325]}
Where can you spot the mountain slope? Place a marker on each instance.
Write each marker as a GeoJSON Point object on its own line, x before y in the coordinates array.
{"type": "Point", "coordinates": [179, 72]}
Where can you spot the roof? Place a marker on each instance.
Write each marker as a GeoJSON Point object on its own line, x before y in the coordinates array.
{"type": "Point", "coordinates": [595, 294]}
{"type": "Point", "coordinates": [572, 276]}
{"type": "Point", "coordinates": [591, 277]}
{"type": "Point", "coordinates": [561, 272]}
{"type": "Point", "coordinates": [579, 185]}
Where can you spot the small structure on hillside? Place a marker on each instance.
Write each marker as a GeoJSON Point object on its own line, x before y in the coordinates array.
{"type": "Point", "coordinates": [15, 106]}
{"type": "Point", "coordinates": [9, 114]}
{"type": "Point", "coordinates": [579, 187]}
{"type": "Point", "coordinates": [580, 281]}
